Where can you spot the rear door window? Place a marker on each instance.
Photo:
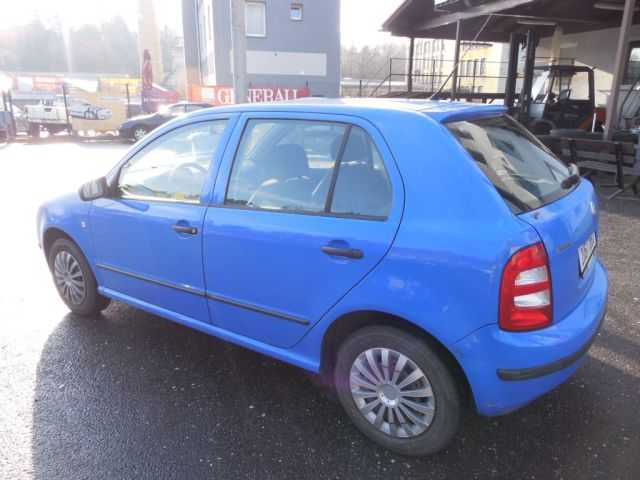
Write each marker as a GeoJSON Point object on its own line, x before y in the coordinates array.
{"type": "Point", "coordinates": [285, 165]}
{"type": "Point", "coordinates": [521, 168]}
{"type": "Point", "coordinates": [309, 166]}
{"type": "Point", "coordinates": [362, 187]}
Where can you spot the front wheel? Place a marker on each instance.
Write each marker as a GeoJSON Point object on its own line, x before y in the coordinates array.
{"type": "Point", "coordinates": [397, 390]}
{"type": "Point", "coordinates": [74, 279]}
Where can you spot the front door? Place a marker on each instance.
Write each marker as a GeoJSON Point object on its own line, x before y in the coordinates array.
{"type": "Point", "coordinates": [303, 209]}
{"type": "Point", "coordinates": [147, 240]}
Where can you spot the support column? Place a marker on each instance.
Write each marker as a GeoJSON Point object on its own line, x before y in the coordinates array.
{"type": "Point", "coordinates": [13, 115]}
{"type": "Point", "coordinates": [527, 83]}
{"type": "Point", "coordinates": [238, 50]}
{"type": "Point", "coordinates": [512, 70]}
{"type": "Point", "coordinates": [66, 107]}
{"type": "Point", "coordinates": [410, 73]}
{"type": "Point", "coordinates": [618, 70]}
{"type": "Point", "coordinates": [556, 42]}
{"type": "Point", "coordinates": [456, 60]}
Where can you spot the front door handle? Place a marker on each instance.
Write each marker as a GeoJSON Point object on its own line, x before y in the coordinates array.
{"type": "Point", "coordinates": [353, 253]}
{"type": "Point", "coordinates": [187, 230]}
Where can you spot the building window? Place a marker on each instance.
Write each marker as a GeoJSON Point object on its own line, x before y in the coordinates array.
{"type": "Point", "coordinates": [256, 19]}
{"type": "Point", "coordinates": [483, 66]}
{"type": "Point", "coordinates": [295, 12]}
{"type": "Point", "coordinates": [632, 72]}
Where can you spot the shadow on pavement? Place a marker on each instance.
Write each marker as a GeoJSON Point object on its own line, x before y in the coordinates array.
{"type": "Point", "coordinates": [129, 395]}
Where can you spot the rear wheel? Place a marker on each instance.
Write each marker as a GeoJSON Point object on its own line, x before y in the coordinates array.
{"type": "Point", "coordinates": [397, 390]}
{"type": "Point", "coordinates": [74, 279]}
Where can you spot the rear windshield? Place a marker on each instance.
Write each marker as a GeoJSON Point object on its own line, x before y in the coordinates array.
{"type": "Point", "coordinates": [522, 169]}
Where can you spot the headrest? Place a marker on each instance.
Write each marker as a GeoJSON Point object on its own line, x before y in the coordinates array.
{"type": "Point", "coordinates": [289, 161]}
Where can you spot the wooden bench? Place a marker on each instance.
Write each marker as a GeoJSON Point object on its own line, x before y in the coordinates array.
{"type": "Point", "coordinates": [617, 158]}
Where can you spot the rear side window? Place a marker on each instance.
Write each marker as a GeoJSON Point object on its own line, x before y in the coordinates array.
{"type": "Point", "coordinates": [309, 166]}
{"type": "Point", "coordinates": [285, 165]}
{"type": "Point", "coordinates": [521, 168]}
{"type": "Point", "coordinates": [362, 187]}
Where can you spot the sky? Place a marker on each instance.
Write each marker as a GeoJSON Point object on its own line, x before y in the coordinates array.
{"type": "Point", "coordinates": [360, 20]}
{"type": "Point", "coordinates": [79, 12]}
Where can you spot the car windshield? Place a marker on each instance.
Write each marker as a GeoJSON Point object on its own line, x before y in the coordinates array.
{"type": "Point", "coordinates": [525, 173]}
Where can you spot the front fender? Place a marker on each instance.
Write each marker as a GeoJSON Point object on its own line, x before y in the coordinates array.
{"type": "Point", "coordinates": [70, 215]}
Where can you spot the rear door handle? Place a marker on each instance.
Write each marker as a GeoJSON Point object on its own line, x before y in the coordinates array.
{"type": "Point", "coordinates": [187, 230]}
{"type": "Point", "coordinates": [343, 252]}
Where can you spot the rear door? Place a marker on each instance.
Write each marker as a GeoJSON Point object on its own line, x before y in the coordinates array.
{"type": "Point", "coordinates": [537, 188]}
{"type": "Point", "coordinates": [304, 208]}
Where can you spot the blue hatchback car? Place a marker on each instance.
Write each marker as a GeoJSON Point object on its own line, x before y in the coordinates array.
{"type": "Point", "coordinates": [424, 257]}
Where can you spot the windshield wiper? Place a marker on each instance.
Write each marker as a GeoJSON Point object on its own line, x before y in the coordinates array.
{"type": "Point", "coordinates": [573, 178]}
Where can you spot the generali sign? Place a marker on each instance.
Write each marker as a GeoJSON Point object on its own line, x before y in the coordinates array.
{"type": "Point", "coordinates": [218, 95]}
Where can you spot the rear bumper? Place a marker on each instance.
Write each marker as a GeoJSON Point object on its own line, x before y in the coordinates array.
{"type": "Point", "coordinates": [507, 370]}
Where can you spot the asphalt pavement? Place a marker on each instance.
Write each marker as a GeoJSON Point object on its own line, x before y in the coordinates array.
{"type": "Point", "coordinates": [129, 395]}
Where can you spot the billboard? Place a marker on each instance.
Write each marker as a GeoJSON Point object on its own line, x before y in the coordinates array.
{"type": "Point", "coordinates": [221, 95]}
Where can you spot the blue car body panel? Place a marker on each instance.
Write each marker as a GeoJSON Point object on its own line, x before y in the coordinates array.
{"type": "Point", "coordinates": [259, 278]}
{"type": "Point", "coordinates": [69, 215]}
{"type": "Point", "coordinates": [296, 281]}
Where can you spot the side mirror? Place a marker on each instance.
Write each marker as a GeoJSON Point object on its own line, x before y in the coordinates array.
{"type": "Point", "coordinates": [94, 189]}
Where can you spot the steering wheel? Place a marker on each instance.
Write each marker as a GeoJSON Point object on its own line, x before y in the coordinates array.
{"type": "Point", "coordinates": [189, 167]}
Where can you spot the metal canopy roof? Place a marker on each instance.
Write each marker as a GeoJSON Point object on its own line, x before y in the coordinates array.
{"type": "Point", "coordinates": [419, 18]}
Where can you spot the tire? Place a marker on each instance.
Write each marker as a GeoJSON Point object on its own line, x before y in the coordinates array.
{"type": "Point", "coordinates": [440, 413]}
{"type": "Point", "coordinates": [138, 132]}
{"type": "Point", "coordinates": [86, 301]}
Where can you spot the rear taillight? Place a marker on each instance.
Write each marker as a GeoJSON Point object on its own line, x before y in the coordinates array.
{"type": "Point", "coordinates": [525, 291]}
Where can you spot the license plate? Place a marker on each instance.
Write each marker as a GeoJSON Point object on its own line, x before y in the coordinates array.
{"type": "Point", "coordinates": [585, 253]}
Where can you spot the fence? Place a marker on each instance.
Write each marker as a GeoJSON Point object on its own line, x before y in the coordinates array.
{"type": "Point", "coordinates": [477, 76]}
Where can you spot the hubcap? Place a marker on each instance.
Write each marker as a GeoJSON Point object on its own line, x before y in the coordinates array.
{"type": "Point", "coordinates": [68, 277]}
{"type": "Point", "coordinates": [139, 133]}
{"type": "Point", "coordinates": [392, 392]}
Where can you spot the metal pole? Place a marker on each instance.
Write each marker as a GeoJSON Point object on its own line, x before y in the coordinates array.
{"type": "Point", "coordinates": [456, 60]}
{"type": "Point", "coordinates": [13, 117]}
{"type": "Point", "coordinates": [618, 71]}
{"type": "Point", "coordinates": [238, 50]}
{"type": "Point", "coordinates": [360, 88]}
{"type": "Point", "coordinates": [433, 75]}
{"type": "Point", "coordinates": [527, 83]}
{"type": "Point", "coordinates": [66, 107]}
{"type": "Point", "coordinates": [128, 101]}
{"type": "Point", "coordinates": [410, 67]}
{"type": "Point", "coordinates": [473, 84]}
{"type": "Point", "coordinates": [390, 73]}
{"type": "Point", "coordinates": [512, 70]}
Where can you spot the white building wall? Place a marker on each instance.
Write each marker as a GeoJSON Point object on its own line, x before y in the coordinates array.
{"type": "Point", "coordinates": [595, 49]}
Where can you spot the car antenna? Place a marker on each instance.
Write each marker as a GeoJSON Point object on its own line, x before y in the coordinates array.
{"type": "Point", "coordinates": [439, 91]}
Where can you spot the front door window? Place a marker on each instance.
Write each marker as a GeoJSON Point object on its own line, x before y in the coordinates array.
{"type": "Point", "coordinates": [174, 167]}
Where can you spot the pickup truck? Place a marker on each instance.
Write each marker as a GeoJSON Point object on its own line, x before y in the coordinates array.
{"type": "Point", "coordinates": [43, 116]}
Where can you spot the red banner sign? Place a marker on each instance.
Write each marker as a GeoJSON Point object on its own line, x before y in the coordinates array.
{"type": "Point", "coordinates": [218, 95]}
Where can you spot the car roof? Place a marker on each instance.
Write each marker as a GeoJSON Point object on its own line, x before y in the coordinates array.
{"type": "Point", "coordinates": [438, 110]}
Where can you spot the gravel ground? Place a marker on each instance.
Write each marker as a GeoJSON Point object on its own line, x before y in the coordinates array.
{"type": "Point", "coordinates": [130, 395]}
